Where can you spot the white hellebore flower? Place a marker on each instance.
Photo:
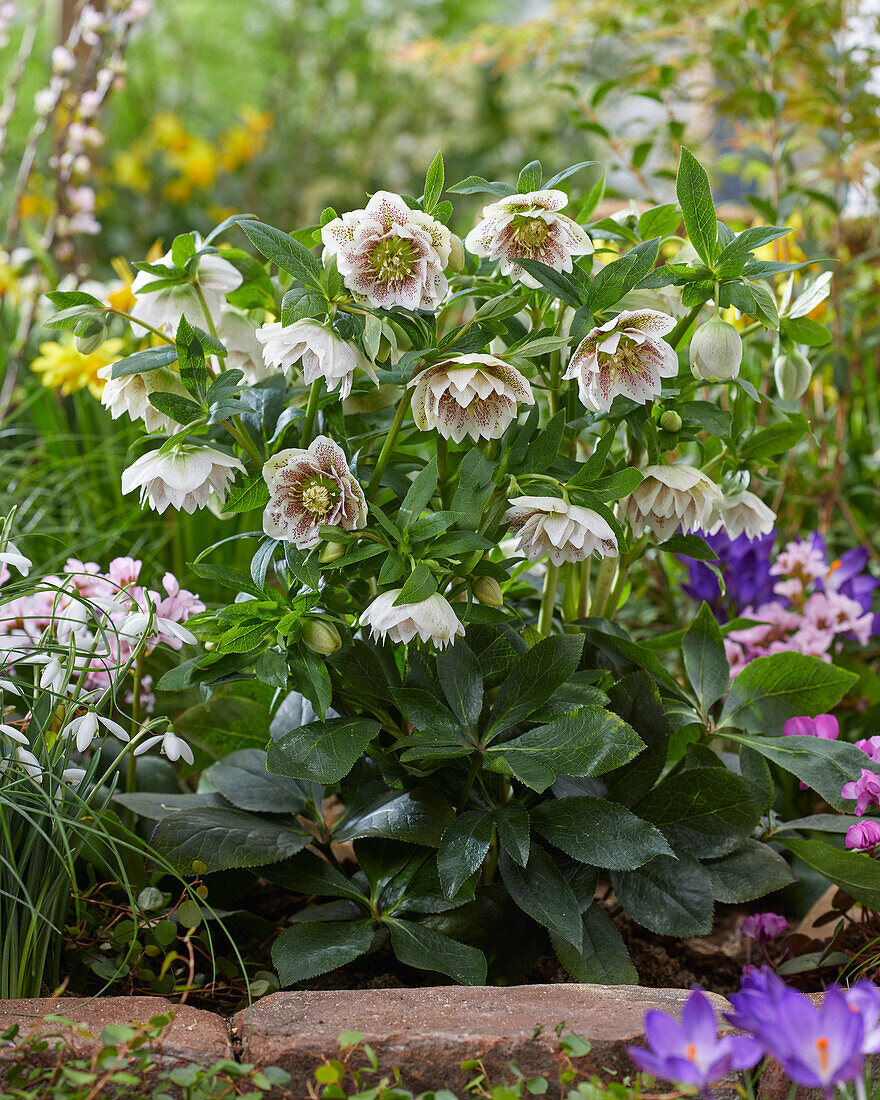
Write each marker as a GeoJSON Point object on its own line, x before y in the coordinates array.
{"type": "Point", "coordinates": [432, 619]}
{"type": "Point", "coordinates": [475, 395]}
{"type": "Point", "coordinates": [564, 532]}
{"type": "Point", "coordinates": [184, 477]}
{"type": "Point", "coordinates": [528, 227]}
{"type": "Point", "coordinates": [243, 349]}
{"type": "Point", "coordinates": [163, 308]}
{"type": "Point", "coordinates": [716, 351]}
{"type": "Point", "coordinates": [308, 488]}
{"type": "Point", "coordinates": [130, 394]}
{"type": "Point", "coordinates": [85, 728]}
{"type": "Point", "coordinates": [323, 353]}
{"type": "Point", "coordinates": [11, 555]}
{"type": "Point", "coordinates": [173, 747]}
{"type": "Point", "coordinates": [626, 355]}
{"type": "Point", "coordinates": [389, 255]}
{"type": "Point", "coordinates": [742, 513]}
{"type": "Point", "coordinates": [670, 497]}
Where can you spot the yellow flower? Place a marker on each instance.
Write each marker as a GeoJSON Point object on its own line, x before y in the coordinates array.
{"type": "Point", "coordinates": [63, 368]}
{"type": "Point", "coordinates": [129, 171]}
{"type": "Point", "coordinates": [167, 132]}
{"type": "Point", "coordinates": [198, 163]}
{"type": "Point", "coordinates": [121, 298]}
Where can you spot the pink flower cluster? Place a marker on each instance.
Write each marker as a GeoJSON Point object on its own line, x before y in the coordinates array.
{"type": "Point", "coordinates": [107, 614]}
{"type": "Point", "coordinates": [864, 836]}
{"type": "Point", "coordinates": [802, 619]}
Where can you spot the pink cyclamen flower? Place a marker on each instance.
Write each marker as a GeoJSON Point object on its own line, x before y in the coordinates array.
{"type": "Point", "coordinates": [389, 255]}
{"type": "Point", "coordinates": [864, 836]}
{"type": "Point", "coordinates": [870, 746]}
{"type": "Point", "coordinates": [528, 227]}
{"type": "Point", "coordinates": [475, 395]}
{"type": "Point", "coordinates": [865, 790]}
{"type": "Point", "coordinates": [764, 927]}
{"type": "Point", "coordinates": [825, 726]}
{"type": "Point", "coordinates": [627, 355]}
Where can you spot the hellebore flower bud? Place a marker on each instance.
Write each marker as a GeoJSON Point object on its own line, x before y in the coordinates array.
{"type": "Point", "coordinates": [456, 253]}
{"type": "Point", "coordinates": [488, 592]}
{"type": "Point", "coordinates": [321, 637]}
{"type": "Point", "coordinates": [716, 351]}
{"type": "Point", "coordinates": [670, 421]}
{"type": "Point", "coordinates": [330, 551]}
{"type": "Point", "coordinates": [792, 371]}
{"type": "Point", "coordinates": [89, 335]}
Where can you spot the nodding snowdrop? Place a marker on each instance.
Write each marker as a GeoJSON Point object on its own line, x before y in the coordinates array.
{"type": "Point", "coordinates": [171, 745]}
{"type": "Point", "coordinates": [11, 555]}
{"type": "Point", "coordinates": [84, 728]}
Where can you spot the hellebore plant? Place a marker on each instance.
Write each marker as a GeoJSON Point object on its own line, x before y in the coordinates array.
{"type": "Point", "coordinates": [456, 459]}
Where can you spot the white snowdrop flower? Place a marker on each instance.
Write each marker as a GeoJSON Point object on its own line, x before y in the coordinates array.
{"type": "Point", "coordinates": [309, 488]}
{"type": "Point", "coordinates": [475, 395]}
{"type": "Point", "coordinates": [130, 393]}
{"type": "Point", "coordinates": [163, 308]}
{"type": "Point", "coordinates": [138, 623]}
{"type": "Point", "coordinates": [171, 745]}
{"type": "Point", "coordinates": [11, 555]}
{"type": "Point", "coordinates": [183, 478]}
{"type": "Point", "coordinates": [528, 227]}
{"type": "Point", "coordinates": [742, 513]}
{"type": "Point", "coordinates": [63, 60]}
{"type": "Point", "coordinates": [389, 255]}
{"type": "Point", "coordinates": [323, 353]}
{"type": "Point", "coordinates": [84, 728]}
{"type": "Point", "coordinates": [564, 532]}
{"type": "Point", "coordinates": [433, 620]}
{"type": "Point", "coordinates": [14, 734]}
{"type": "Point", "coordinates": [670, 497]}
{"type": "Point", "coordinates": [626, 355]}
{"type": "Point", "coordinates": [54, 675]}
{"type": "Point", "coordinates": [24, 757]}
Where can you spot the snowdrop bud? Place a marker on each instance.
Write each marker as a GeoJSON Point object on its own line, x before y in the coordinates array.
{"type": "Point", "coordinates": [792, 371]}
{"type": "Point", "coordinates": [488, 592]}
{"type": "Point", "coordinates": [716, 351]}
{"type": "Point", "coordinates": [670, 421]}
{"type": "Point", "coordinates": [89, 335]}
{"type": "Point", "coordinates": [321, 637]}
{"type": "Point", "coordinates": [456, 253]}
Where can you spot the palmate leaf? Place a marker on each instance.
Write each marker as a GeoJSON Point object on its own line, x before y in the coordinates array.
{"type": "Point", "coordinates": [748, 873]}
{"type": "Point", "coordinates": [672, 897]}
{"type": "Point", "coordinates": [541, 890]}
{"type": "Point", "coordinates": [422, 947]}
{"type": "Point", "coordinates": [463, 849]}
{"type": "Point", "coordinates": [697, 208]}
{"type": "Point", "coordinates": [420, 817]}
{"type": "Point", "coordinates": [242, 778]}
{"type": "Point", "coordinates": [322, 751]}
{"type": "Point", "coordinates": [537, 674]}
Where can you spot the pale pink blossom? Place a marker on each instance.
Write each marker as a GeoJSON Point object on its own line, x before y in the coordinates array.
{"type": "Point", "coordinates": [475, 395]}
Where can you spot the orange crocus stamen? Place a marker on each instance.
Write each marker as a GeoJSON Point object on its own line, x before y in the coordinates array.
{"type": "Point", "coordinates": [822, 1048]}
{"type": "Point", "coordinates": [691, 1052]}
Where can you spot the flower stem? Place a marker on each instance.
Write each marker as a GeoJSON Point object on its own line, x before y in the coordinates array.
{"type": "Point", "coordinates": [680, 330]}
{"type": "Point", "coordinates": [443, 470]}
{"type": "Point", "coordinates": [141, 324]}
{"type": "Point", "coordinates": [240, 434]}
{"type": "Point", "coordinates": [311, 413]}
{"type": "Point", "coordinates": [388, 445]}
{"type": "Point", "coordinates": [548, 599]}
{"type": "Point", "coordinates": [208, 319]}
{"type": "Point", "coordinates": [604, 580]}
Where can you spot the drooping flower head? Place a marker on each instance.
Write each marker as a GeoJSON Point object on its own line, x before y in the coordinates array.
{"type": "Point", "coordinates": [163, 308]}
{"type": "Point", "coordinates": [310, 487]}
{"type": "Point", "coordinates": [183, 478]}
{"type": "Point", "coordinates": [130, 393]}
{"type": "Point", "coordinates": [627, 355]}
{"type": "Point", "coordinates": [672, 497]}
{"type": "Point", "coordinates": [475, 395]}
{"type": "Point", "coordinates": [763, 927]}
{"type": "Point", "coordinates": [562, 531]}
{"type": "Point", "coordinates": [691, 1052]}
{"type": "Point", "coordinates": [323, 353]}
{"type": "Point", "coordinates": [742, 513]}
{"type": "Point", "coordinates": [528, 227]}
{"type": "Point", "coordinates": [433, 619]}
{"type": "Point", "coordinates": [389, 255]}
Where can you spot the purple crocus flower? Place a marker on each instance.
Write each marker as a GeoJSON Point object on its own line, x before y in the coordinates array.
{"type": "Point", "coordinates": [819, 1047]}
{"type": "Point", "coordinates": [864, 998]}
{"type": "Point", "coordinates": [764, 927]}
{"type": "Point", "coordinates": [690, 1052]}
{"type": "Point", "coordinates": [865, 790]}
{"type": "Point", "coordinates": [825, 726]}
{"type": "Point", "coordinates": [756, 1006]}
{"type": "Point", "coordinates": [864, 836]}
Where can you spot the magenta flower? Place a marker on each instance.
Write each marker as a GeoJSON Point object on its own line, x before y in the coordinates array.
{"type": "Point", "coordinates": [825, 726]}
{"type": "Point", "coordinates": [690, 1052]}
{"type": "Point", "coordinates": [865, 790]}
{"type": "Point", "coordinates": [870, 746]}
{"type": "Point", "coordinates": [764, 927]}
{"type": "Point", "coordinates": [864, 836]}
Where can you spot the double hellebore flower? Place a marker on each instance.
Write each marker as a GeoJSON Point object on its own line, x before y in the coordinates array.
{"type": "Point", "coordinates": [163, 308]}
{"type": "Point", "coordinates": [562, 531]}
{"type": "Point", "coordinates": [528, 227]}
{"type": "Point", "coordinates": [323, 353]}
{"type": "Point", "coordinates": [742, 513]}
{"type": "Point", "coordinates": [670, 497]}
{"type": "Point", "coordinates": [432, 619]}
{"type": "Point", "coordinates": [130, 393]}
{"type": "Point", "coordinates": [389, 255]}
{"type": "Point", "coordinates": [690, 1052]}
{"type": "Point", "coordinates": [475, 395]}
{"type": "Point", "coordinates": [764, 927]}
{"type": "Point", "coordinates": [309, 488]}
{"type": "Point", "coordinates": [184, 477]}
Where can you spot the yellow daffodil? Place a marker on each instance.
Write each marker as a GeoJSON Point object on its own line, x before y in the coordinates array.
{"type": "Point", "coordinates": [63, 368]}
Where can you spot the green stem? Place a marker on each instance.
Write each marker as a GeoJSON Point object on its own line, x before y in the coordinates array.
{"type": "Point", "coordinates": [469, 781]}
{"type": "Point", "coordinates": [208, 319]}
{"type": "Point", "coordinates": [141, 324]}
{"type": "Point", "coordinates": [131, 770]}
{"type": "Point", "coordinates": [311, 413]}
{"type": "Point", "coordinates": [548, 599]}
{"type": "Point", "coordinates": [680, 331]}
{"type": "Point", "coordinates": [443, 470]}
{"type": "Point", "coordinates": [240, 434]}
{"type": "Point", "coordinates": [388, 445]}
{"type": "Point", "coordinates": [604, 580]}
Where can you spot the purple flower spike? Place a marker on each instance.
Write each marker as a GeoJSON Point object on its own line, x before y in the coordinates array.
{"type": "Point", "coordinates": [764, 927]}
{"type": "Point", "coordinates": [825, 726]}
{"type": "Point", "coordinates": [864, 836]}
{"type": "Point", "coordinates": [865, 790]}
{"type": "Point", "coordinates": [690, 1052]}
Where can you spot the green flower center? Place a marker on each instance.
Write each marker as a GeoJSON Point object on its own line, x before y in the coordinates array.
{"type": "Point", "coordinates": [318, 496]}
{"type": "Point", "coordinates": [394, 259]}
{"type": "Point", "coordinates": [530, 232]}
